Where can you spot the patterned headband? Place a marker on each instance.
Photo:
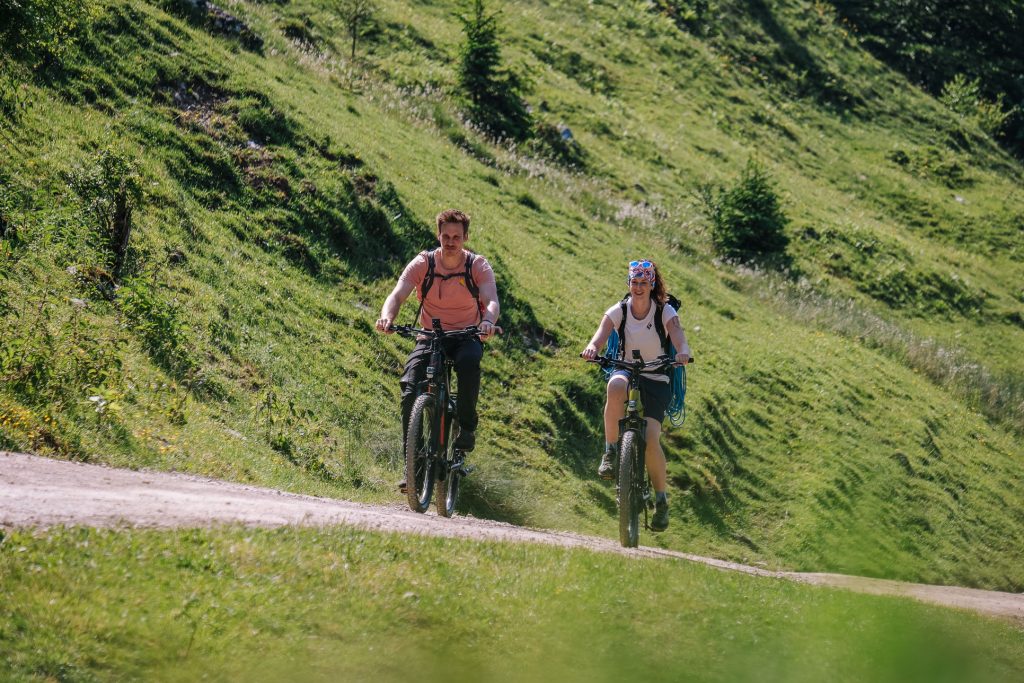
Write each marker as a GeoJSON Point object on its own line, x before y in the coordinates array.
{"type": "Point", "coordinates": [641, 270]}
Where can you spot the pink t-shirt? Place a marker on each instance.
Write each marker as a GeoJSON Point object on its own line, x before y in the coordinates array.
{"type": "Point", "coordinates": [450, 300]}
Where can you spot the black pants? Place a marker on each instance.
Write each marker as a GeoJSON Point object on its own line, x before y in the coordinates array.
{"type": "Point", "coordinates": [467, 354]}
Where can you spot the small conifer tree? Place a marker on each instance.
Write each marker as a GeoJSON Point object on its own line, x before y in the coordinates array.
{"type": "Point", "coordinates": [494, 94]}
{"type": "Point", "coordinates": [747, 220]}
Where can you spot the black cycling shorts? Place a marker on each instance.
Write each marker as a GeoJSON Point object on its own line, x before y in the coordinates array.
{"type": "Point", "coordinates": [654, 395]}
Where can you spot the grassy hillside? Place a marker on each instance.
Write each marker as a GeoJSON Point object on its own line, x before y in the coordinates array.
{"type": "Point", "coordinates": [309, 605]}
{"type": "Point", "coordinates": [859, 412]}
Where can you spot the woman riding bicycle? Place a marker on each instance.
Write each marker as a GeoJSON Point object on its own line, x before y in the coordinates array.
{"type": "Point", "coordinates": [647, 294]}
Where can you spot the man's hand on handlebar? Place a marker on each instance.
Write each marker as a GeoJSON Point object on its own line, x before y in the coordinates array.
{"type": "Point", "coordinates": [384, 325]}
{"type": "Point", "coordinates": [488, 329]}
{"type": "Point", "coordinates": [590, 353]}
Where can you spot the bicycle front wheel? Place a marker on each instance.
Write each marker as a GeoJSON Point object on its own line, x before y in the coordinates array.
{"type": "Point", "coordinates": [630, 497]}
{"type": "Point", "coordinates": [420, 443]}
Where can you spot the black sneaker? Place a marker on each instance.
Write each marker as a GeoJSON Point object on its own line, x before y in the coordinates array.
{"type": "Point", "coordinates": [606, 470]}
{"type": "Point", "coordinates": [402, 486]}
{"type": "Point", "coordinates": [660, 520]}
{"type": "Point", "coordinates": [465, 441]}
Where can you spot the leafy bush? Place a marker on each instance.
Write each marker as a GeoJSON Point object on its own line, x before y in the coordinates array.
{"type": "Point", "coordinates": [933, 163]}
{"type": "Point", "coordinates": [43, 31]}
{"type": "Point", "coordinates": [110, 189]}
{"type": "Point", "coordinates": [963, 96]}
{"type": "Point", "coordinates": [357, 16]}
{"type": "Point", "coordinates": [158, 323]}
{"type": "Point", "coordinates": [689, 15]}
{"type": "Point", "coordinates": [933, 42]}
{"type": "Point", "coordinates": [54, 356]}
{"type": "Point", "coordinates": [557, 144]}
{"type": "Point", "coordinates": [14, 98]}
{"type": "Point", "coordinates": [747, 220]}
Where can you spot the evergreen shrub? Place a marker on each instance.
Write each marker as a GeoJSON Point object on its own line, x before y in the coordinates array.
{"type": "Point", "coordinates": [747, 220]}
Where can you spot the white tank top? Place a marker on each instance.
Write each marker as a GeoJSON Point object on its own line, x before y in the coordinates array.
{"type": "Point", "coordinates": [642, 334]}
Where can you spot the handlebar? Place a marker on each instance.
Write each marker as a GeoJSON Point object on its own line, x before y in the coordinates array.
{"type": "Point", "coordinates": [659, 363]}
{"type": "Point", "coordinates": [411, 331]}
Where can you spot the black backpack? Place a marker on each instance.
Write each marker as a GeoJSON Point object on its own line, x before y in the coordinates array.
{"type": "Point", "coordinates": [428, 281]}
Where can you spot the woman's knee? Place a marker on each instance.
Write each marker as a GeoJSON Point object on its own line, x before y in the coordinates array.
{"type": "Point", "coordinates": [653, 432]}
{"type": "Point", "coordinates": [617, 388]}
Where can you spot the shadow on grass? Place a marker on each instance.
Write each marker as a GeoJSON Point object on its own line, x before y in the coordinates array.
{"type": "Point", "coordinates": [818, 82]}
{"type": "Point", "coordinates": [489, 493]}
{"type": "Point", "coordinates": [575, 407]}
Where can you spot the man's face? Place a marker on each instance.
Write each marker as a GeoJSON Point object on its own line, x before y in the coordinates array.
{"type": "Point", "coordinates": [451, 237]}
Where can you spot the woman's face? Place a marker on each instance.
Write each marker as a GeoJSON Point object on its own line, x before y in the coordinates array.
{"type": "Point", "coordinates": [640, 288]}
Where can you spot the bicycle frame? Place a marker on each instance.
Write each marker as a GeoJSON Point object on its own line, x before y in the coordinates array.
{"type": "Point", "coordinates": [438, 384]}
{"type": "Point", "coordinates": [634, 418]}
{"type": "Point", "coordinates": [637, 486]}
{"type": "Point", "coordinates": [439, 459]}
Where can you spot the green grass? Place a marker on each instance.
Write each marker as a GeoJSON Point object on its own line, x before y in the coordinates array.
{"type": "Point", "coordinates": [238, 604]}
{"type": "Point", "coordinates": [284, 189]}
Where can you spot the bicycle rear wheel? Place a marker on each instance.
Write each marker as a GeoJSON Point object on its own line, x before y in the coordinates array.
{"type": "Point", "coordinates": [419, 452]}
{"type": "Point", "coordinates": [630, 497]}
{"type": "Point", "coordinates": [448, 488]}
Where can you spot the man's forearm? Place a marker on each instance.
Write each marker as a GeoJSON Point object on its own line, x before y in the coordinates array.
{"type": "Point", "coordinates": [391, 307]}
{"type": "Point", "coordinates": [491, 311]}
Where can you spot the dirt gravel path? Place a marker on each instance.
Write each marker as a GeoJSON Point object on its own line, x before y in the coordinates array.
{"type": "Point", "coordinates": [42, 492]}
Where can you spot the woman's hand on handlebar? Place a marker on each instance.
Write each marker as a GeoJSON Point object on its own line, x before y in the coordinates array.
{"type": "Point", "coordinates": [590, 353]}
{"type": "Point", "coordinates": [682, 358]}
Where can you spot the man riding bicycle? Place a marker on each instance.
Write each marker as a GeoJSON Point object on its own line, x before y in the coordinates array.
{"type": "Point", "coordinates": [457, 287]}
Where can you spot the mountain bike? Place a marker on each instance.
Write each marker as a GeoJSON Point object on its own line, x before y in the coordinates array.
{"type": "Point", "coordinates": [430, 457]}
{"type": "Point", "coordinates": [633, 489]}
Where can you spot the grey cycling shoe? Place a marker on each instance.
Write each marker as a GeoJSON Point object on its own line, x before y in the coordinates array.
{"type": "Point", "coordinates": [606, 470]}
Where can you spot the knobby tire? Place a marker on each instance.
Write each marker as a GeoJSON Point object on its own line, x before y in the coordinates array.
{"type": "Point", "coordinates": [448, 489]}
{"type": "Point", "coordinates": [419, 466]}
{"type": "Point", "coordinates": [630, 497]}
